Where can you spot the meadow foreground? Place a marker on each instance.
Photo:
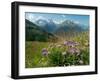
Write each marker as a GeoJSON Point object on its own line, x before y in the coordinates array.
{"type": "Point", "coordinates": [71, 51]}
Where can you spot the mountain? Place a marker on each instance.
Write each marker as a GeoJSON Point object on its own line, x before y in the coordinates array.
{"type": "Point", "coordinates": [47, 25]}
{"type": "Point", "coordinates": [71, 26]}
{"type": "Point", "coordinates": [67, 26]}
{"type": "Point", "coordinates": [37, 33]}
{"type": "Point", "coordinates": [47, 29]}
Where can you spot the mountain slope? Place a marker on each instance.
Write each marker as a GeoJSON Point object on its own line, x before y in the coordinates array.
{"type": "Point", "coordinates": [36, 33]}
{"type": "Point", "coordinates": [47, 25]}
{"type": "Point", "coordinates": [70, 28]}
{"type": "Point", "coordinates": [68, 25]}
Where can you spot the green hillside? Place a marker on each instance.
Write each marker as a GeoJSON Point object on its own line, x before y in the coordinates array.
{"type": "Point", "coordinates": [36, 33]}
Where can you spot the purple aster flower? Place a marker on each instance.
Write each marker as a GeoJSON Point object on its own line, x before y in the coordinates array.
{"type": "Point", "coordinates": [71, 43]}
{"type": "Point", "coordinates": [74, 50]}
{"type": "Point", "coordinates": [44, 52]}
{"type": "Point", "coordinates": [65, 43]}
{"type": "Point", "coordinates": [76, 43]}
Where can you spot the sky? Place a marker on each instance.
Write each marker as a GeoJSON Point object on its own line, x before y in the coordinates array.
{"type": "Point", "coordinates": [57, 18]}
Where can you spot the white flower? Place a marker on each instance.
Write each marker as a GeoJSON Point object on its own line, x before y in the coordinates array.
{"type": "Point", "coordinates": [64, 65]}
{"type": "Point", "coordinates": [81, 62]}
{"type": "Point", "coordinates": [73, 65]}
{"type": "Point", "coordinates": [48, 52]}
{"type": "Point", "coordinates": [63, 53]}
{"type": "Point", "coordinates": [59, 46]}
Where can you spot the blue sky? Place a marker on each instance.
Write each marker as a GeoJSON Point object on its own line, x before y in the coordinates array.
{"type": "Point", "coordinates": [81, 19]}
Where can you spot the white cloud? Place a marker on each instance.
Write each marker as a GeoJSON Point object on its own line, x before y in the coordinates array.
{"type": "Point", "coordinates": [39, 17]}
{"type": "Point", "coordinates": [63, 16]}
{"type": "Point", "coordinates": [33, 18]}
{"type": "Point", "coordinates": [30, 17]}
{"type": "Point", "coordinates": [42, 17]}
{"type": "Point", "coordinates": [58, 21]}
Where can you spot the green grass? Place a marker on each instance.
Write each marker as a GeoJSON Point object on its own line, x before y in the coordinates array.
{"type": "Point", "coordinates": [34, 57]}
{"type": "Point", "coordinates": [33, 53]}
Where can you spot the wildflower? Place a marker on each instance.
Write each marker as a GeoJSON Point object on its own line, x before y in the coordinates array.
{"type": "Point", "coordinates": [86, 43]}
{"type": "Point", "coordinates": [81, 62]}
{"type": "Point", "coordinates": [76, 43]}
{"type": "Point", "coordinates": [74, 50]}
{"type": "Point", "coordinates": [59, 46]}
{"type": "Point", "coordinates": [44, 52]}
{"type": "Point", "coordinates": [65, 43]}
{"type": "Point", "coordinates": [83, 48]}
{"type": "Point", "coordinates": [72, 65]}
{"type": "Point", "coordinates": [63, 53]}
{"type": "Point", "coordinates": [64, 65]}
{"type": "Point", "coordinates": [71, 43]}
{"type": "Point", "coordinates": [78, 52]}
{"type": "Point", "coordinates": [48, 52]}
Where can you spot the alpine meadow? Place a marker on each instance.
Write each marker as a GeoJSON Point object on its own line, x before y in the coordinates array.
{"type": "Point", "coordinates": [56, 40]}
